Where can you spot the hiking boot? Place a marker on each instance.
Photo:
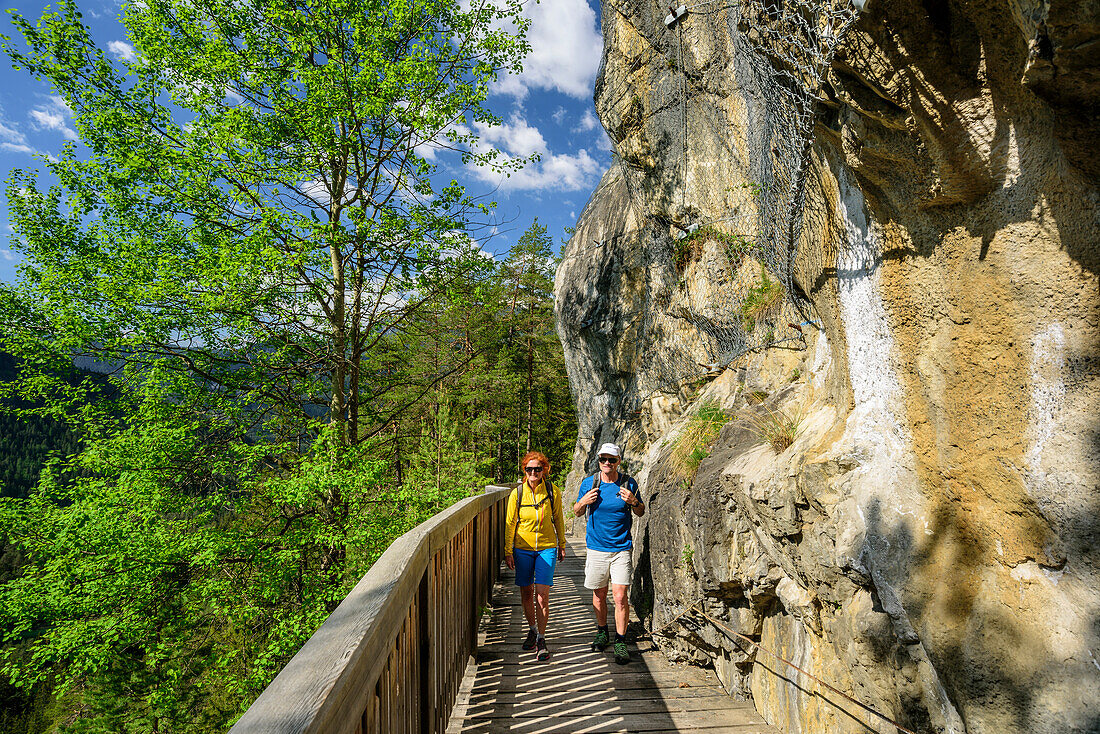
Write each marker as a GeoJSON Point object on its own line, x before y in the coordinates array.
{"type": "Point", "coordinates": [601, 641]}
{"type": "Point", "coordinates": [529, 641]}
{"type": "Point", "coordinates": [540, 649]}
{"type": "Point", "coordinates": [622, 655]}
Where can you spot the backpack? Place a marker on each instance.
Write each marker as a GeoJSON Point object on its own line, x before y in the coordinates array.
{"type": "Point", "coordinates": [549, 498]}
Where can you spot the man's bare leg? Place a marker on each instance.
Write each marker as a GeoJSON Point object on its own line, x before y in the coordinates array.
{"type": "Point", "coordinates": [599, 603]}
{"type": "Point", "coordinates": [622, 606]}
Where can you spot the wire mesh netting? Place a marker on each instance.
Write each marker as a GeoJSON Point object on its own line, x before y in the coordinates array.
{"type": "Point", "coordinates": [721, 276]}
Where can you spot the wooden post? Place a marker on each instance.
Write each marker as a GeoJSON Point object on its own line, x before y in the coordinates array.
{"type": "Point", "coordinates": [427, 716]}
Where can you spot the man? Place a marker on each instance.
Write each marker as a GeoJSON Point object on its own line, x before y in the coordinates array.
{"type": "Point", "coordinates": [611, 506]}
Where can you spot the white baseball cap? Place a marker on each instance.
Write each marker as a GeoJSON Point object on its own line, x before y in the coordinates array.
{"type": "Point", "coordinates": [609, 449]}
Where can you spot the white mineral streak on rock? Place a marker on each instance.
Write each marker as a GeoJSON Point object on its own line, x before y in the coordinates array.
{"type": "Point", "coordinates": [875, 385]}
{"type": "Point", "coordinates": [884, 475]}
{"type": "Point", "coordinates": [1048, 397]}
{"type": "Point", "coordinates": [1012, 163]}
{"type": "Point", "coordinates": [873, 429]}
{"type": "Point", "coordinates": [822, 362]}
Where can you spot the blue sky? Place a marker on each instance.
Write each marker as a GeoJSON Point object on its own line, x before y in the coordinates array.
{"type": "Point", "coordinates": [546, 110]}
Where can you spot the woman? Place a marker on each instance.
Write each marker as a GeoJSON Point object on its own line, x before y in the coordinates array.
{"type": "Point", "coordinates": [534, 542]}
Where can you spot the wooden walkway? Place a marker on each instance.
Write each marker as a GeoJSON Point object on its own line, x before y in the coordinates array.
{"type": "Point", "coordinates": [578, 690]}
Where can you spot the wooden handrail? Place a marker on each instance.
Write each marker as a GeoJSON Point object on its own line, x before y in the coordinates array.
{"type": "Point", "coordinates": [390, 658]}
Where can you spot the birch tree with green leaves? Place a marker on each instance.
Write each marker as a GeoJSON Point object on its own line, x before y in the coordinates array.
{"type": "Point", "coordinates": [256, 210]}
{"type": "Point", "coordinates": [250, 212]}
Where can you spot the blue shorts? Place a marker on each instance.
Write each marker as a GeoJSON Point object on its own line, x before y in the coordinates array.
{"type": "Point", "coordinates": [535, 568]}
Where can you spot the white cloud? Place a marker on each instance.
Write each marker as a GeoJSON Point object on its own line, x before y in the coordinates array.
{"type": "Point", "coordinates": [318, 191]}
{"type": "Point", "coordinates": [228, 94]}
{"type": "Point", "coordinates": [122, 51]}
{"type": "Point", "coordinates": [565, 50]}
{"type": "Point", "coordinates": [11, 136]}
{"type": "Point", "coordinates": [559, 115]}
{"type": "Point", "coordinates": [13, 140]}
{"type": "Point", "coordinates": [7, 255]}
{"type": "Point", "coordinates": [53, 115]}
{"type": "Point", "coordinates": [587, 123]}
{"type": "Point", "coordinates": [16, 148]}
{"type": "Point", "coordinates": [515, 137]}
{"type": "Point", "coordinates": [233, 96]}
{"type": "Point", "coordinates": [577, 172]}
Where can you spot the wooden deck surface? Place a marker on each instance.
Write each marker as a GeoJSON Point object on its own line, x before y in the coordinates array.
{"type": "Point", "coordinates": [578, 690]}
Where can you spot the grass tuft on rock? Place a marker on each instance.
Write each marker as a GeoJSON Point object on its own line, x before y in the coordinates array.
{"type": "Point", "coordinates": [694, 442]}
{"type": "Point", "coordinates": [761, 300]}
{"type": "Point", "coordinates": [776, 428]}
{"type": "Point", "coordinates": [690, 248]}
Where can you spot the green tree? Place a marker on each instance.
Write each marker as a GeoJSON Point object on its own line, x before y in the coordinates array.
{"type": "Point", "coordinates": [532, 340]}
{"type": "Point", "coordinates": [512, 393]}
{"type": "Point", "coordinates": [490, 357]}
{"type": "Point", "coordinates": [252, 225]}
{"type": "Point", "coordinates": [254, 214]}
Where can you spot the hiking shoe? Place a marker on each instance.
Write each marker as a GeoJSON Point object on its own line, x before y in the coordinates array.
{"type": "Point", "coordinates": [529, 641]}
{"type": "Point", "coordinates": [540, 649]}
{"type": "Point", "coordinates": [622, 655]}
{"type": "Point", "coordinates": [601, 641]}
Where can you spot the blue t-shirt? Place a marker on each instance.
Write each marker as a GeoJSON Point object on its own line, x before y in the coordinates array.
{"type": "Point", "coordinates": [610, 519]}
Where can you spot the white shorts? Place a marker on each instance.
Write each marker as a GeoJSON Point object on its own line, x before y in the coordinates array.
{"type": "Point", "coordinates": [602, 566]}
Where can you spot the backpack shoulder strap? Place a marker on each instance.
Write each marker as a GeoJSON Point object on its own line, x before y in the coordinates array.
{"type": "Point", "coordinates": [595, 486]}
{"type": "Point", "coordinates": [519, 504]}
{"type": "Point", "coordinates": [550, 499]}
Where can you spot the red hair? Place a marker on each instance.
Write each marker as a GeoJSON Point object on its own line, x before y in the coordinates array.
{"type": "Point", "coordinates": [533, 455]}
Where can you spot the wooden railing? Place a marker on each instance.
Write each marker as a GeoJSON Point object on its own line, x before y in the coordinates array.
{"type": "Point", "coordinates": [391, 657]}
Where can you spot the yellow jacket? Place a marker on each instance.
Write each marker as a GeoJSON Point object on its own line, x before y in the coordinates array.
{"type": "Point", "coordinates": [532, 528]}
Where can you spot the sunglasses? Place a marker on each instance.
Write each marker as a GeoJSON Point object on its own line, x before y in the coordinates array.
{"type": "Point", "coordinates": [532, 469]}
{"type": "Point", "coordinates": [608, 460]}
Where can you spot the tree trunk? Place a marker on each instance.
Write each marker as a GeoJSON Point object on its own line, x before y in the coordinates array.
{"type": "Point", "coordinates": [397, 454]}
{"type": "Point", "coordinates": [356, 350]}
{"type": "Point", "coordinates": [338, 406]}
{"type": "Point", "coordinates": [530, 386]}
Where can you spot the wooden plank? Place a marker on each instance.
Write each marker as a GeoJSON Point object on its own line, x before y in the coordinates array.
{"type": "Point", "coordinates": [423, 654]}
{"type": "Point", "coordinates": [600, 694]}
{"type": "Point", "coordinates": [387, 696]}
{"type": "Point", "coordinates": [406, 692]}
{"type": "Point", "coordinates": [507, 683]}
{"type": "Point", "coordinates": [669, 721]}
{"type": "Point", "coordinates": [578, 648]}
{"type": "Point", "coordinates": [587, 665]}
{"type": "Point", "coordinates": [607, 705]}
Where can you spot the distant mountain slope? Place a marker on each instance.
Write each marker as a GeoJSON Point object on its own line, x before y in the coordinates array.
{"type": "Point", "coordinates": [26, 443]}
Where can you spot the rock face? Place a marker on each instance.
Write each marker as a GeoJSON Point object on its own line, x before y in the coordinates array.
{"type": "Point", "coordinates": [928, 544]}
